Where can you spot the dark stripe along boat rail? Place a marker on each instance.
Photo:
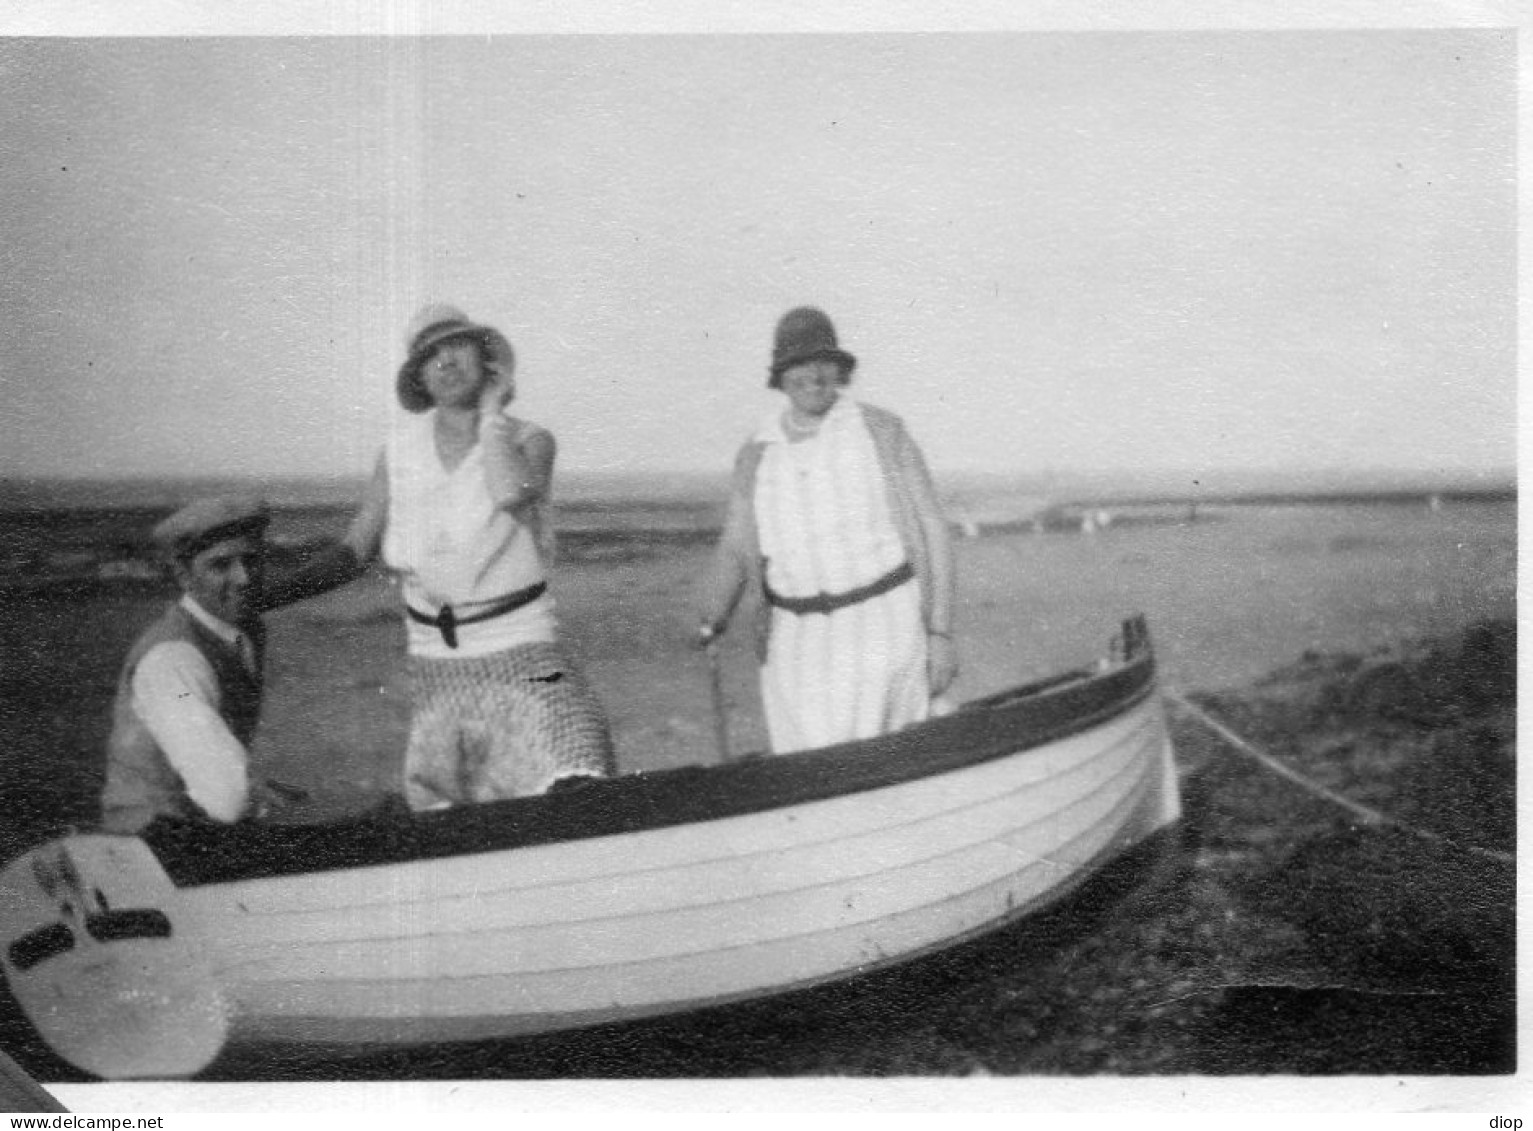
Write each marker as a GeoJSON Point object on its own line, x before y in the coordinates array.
{"type": "Point", "coordinates": [1008, 724]}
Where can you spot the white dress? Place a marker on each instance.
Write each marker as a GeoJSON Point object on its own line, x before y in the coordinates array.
{"type": "Point", "coordinates": [824, 524]}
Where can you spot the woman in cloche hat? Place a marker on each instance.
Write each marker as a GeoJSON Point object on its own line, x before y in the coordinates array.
{"type": "Point", "coordinates": [457, 507]}
{"type": "Point", "coordinates": [834, 521]}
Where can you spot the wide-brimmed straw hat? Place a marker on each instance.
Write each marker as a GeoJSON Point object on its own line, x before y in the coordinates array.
{"type": "Point", "coordinates": [206, 522]}
{"type": "Point", "coordinates": [431, 326]}
{"type": "Point", "coordinates": [804, 334]}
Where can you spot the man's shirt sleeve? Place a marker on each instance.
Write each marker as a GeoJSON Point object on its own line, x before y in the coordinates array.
{"type": "Point", "coordinates": [177, 696]}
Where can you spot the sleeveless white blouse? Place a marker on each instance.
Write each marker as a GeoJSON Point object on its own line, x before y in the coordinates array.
{"type": "Point", "coordinates": [450, 544]}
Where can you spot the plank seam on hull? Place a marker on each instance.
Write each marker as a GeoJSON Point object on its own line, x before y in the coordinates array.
{"type": "Point", "coordinates": [1132, 743]}
{"type": "Point", "coordinates": [1133, 735]}
{"type": "Point", "coordinates": [1128, 799]}
{"type": "Point", "coordinates": [279, 1028]}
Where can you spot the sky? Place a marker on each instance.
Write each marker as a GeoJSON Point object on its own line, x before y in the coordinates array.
{"type": "Point", "coordinates": [1048, 249]}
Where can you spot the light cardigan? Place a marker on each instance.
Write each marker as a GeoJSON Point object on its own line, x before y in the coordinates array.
{"type": "Point", "coordinates": [737, 565]}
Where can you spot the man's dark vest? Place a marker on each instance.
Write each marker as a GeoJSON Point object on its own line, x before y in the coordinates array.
{"type": "Point", "coordinates": [141, 784]}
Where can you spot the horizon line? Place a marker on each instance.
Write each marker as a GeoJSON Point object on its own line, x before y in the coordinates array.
{"type": "Point", "coordinates": [1503, 473]}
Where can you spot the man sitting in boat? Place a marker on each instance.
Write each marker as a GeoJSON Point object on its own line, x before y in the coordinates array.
{"type": "Point", "coordinates": [190, 689]}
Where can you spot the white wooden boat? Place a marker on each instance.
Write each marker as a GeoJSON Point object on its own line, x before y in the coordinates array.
{"type": "Point", "coordinates": [649, 894]}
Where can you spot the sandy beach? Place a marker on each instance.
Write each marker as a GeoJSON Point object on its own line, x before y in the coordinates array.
{"type": "Point", "coordinates": [1228, 598]}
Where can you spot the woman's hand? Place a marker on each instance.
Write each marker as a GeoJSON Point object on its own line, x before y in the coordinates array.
{"type": "Point", "coordinates": [499, 389]}
{"type": "Point", "coordinates": [941, 662]}
{"type": "Point", "coordinates": [519, 460]}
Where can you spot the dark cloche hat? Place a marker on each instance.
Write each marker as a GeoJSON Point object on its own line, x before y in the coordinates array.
{"type": "Point", "coordinates": [431, 326]}
{"type": "Point", "coordinates": [804, 334]}
{"type": "Point", "coordinates": [204, 522]}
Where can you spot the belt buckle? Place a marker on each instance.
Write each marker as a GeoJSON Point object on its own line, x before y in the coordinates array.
{"type": "Point", "coordinates": [447, 625]}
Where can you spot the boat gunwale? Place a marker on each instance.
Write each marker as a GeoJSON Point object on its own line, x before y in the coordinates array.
{"type": "Point", "coordinates": [1126, 783]}
{"type": "Point", "coordinates": [1012, 723]}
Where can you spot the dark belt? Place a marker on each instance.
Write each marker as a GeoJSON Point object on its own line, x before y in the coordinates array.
{"type": "Point", "coordinates": [830, 602]}
{"type": "Point", "coordinates": [446, 621]}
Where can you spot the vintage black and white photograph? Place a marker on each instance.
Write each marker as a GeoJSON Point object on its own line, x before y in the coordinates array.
{"type": "Point", "coordinates": [759, 554]}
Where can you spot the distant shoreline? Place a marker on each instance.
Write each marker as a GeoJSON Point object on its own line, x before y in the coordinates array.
{"type": "Point", "coordinates": [60, 550]}
{"type": "Point", "coordinates": [592, 493]}
{"type": "Point", "coordinates": [1415, 496]}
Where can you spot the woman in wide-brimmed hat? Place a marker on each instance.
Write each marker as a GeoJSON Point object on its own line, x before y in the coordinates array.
{"type": "Point", "coordinates": [457, 507]}
{"type": "Point", "coordinates": [834, 521]}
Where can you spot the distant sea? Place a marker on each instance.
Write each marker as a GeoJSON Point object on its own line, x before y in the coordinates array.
{"type": "Point", "coordinates": [83, 537]}
{"type": "Point", "coordinates": [586, 490]}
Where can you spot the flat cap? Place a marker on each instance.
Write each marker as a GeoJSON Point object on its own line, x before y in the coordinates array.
{"type": "Point", "coordinates": [203, 522]}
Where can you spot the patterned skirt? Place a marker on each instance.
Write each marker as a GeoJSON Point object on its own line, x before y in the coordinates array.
{"type": "Point", "coordinates": [504, 725]}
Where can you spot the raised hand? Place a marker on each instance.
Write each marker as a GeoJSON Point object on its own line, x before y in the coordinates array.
{"type": "Point", "coordinates": [499, 361]}
{"type": "Point", "coordinates": [499, 388]}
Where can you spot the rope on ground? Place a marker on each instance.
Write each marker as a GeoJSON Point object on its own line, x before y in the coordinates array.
{"type": "Point", "coordinates": [1363, 812]}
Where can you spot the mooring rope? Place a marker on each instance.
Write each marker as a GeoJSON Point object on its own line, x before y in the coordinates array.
{"type": "Point", "coordinates": [1367, 815]}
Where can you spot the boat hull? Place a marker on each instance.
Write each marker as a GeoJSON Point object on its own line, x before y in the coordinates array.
{"type": "Point", "coordinates": [683, 891]}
